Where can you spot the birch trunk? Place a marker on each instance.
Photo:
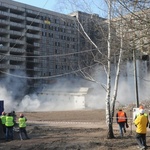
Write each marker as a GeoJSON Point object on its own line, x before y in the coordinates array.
{"type": "Point", "coordinates": [108, 114]}
{"type": "Point", "coordinates": [113, 101]}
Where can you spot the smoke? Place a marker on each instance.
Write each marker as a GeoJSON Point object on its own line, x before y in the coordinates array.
{"type": "Point", "coordinates": [9, 103]}
{"type": "Point", "coordinates": [68, 94]}
{"type": "Point", "coordinates": [15, 85]}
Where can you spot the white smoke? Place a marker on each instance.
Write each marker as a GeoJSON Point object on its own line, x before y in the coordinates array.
{"type": "Point", "coordinates": [59, 96]}
{"type": "Point", "coordinates": [6, 96]}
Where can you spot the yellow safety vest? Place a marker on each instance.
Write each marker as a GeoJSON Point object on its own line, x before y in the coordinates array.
{"type": "Point", "coordinates": [22, 122]}
{"type": "Point", "coordinates": [9, 121]}
{"type": "Point", "coordinates": [3, 119]}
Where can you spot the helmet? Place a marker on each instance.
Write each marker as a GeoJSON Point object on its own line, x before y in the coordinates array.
{"type": "Point", "coordinates": [141, 111]}
{"type": "Point", "coordinates": [141, 107]}
{"type": "Point", "coordinates": [3, 113]}
{"type": "Point", "coordinates": [21, 115]}
{"type": "Point", "coordinates": [120, 109]}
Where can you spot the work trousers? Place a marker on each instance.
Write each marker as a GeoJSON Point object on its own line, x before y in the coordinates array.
{"type": "Point", "coordinates": [121, 128]}
{"type": "Point", "coordinates": [141, 139]}
{"type": "Point", "coordinates": [9, 133]}
{"type": "Point", "coordinates": [21, 131]}
{"type": "Point", "coordinates": [4, 128]}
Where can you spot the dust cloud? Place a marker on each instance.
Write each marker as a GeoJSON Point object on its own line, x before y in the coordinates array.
{"type": "Point", "coordinates": [59, 96]}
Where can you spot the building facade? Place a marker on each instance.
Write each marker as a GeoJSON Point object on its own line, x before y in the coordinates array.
{"type": "Point", "coordinates": [38, 42]}
{"type": "Point", "coordinates": [42, 44]}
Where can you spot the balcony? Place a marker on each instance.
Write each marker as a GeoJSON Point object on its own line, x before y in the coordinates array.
{"type": "Point", "coordinates": [37, 69]}
{"type": "Point", "coordinates": [16, 41]}
{"type": "Point", "coordinates": [33, 20]}
{"type": "Point", "coordinates": [7, 66]}
{"type": "Point", "coordinates": [12, 15]}
{"type": "Point", "coordinates": [36, 60]}
{"type": "Point", "coordinates": [15, 33]}
{"type": "Point", "coordinates": [33, 36]}
{"type": "Point", "coordinates": [36, 44]}
{"type": "Point", "coordinates": [19, 25]}
{"type": "Point", "coordinates": [4, 66]}
{"type": "Point", "coordinates": [4, 22]}
{"type": "Point", "coordinates": [32, 12]}
{"type": "Point", "coordinates": [17, 50]}
{"type": "Point", "coordinates": [11, 57]}
{"type": "Point", "coordinates": [3, 49]}
{"type": "Point", "coordinates": [36, 53]}
{"type": "Point", "coordinates": [3, 39]}
{"type": "Point", "coordinates": [33, 28]}
{"type": "Point", "coordinates": [13, 7]}
{"type": "Point", "coordinates": [16, 16]}
{"type": "Point", "coordinates": [17, 67]}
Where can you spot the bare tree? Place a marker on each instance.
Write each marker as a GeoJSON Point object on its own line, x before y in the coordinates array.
{"type": "Point", "coordinates": [120, 27]}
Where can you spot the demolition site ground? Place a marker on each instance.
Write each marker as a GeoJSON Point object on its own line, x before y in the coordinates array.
{"type": "Point", "coordinates": [71, 130]}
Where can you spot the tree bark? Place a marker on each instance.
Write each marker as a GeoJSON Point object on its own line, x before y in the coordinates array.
{"type": "Point", "coordinates": [108, 114]}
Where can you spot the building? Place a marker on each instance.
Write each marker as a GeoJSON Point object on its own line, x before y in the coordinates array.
{"type": "Point", "coordinates": [31, 38]}
{"type": "Point", "coordinates": [41, 43]}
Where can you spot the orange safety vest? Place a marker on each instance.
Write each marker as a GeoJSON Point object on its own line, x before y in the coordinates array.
{"type": "Point", "coordinates": [121, 116]}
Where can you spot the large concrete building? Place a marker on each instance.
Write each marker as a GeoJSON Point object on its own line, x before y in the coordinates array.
{"type": "Point", "coordinates": [38, 42]}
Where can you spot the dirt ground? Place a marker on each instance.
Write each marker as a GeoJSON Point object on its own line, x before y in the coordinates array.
{"type": "Point", "coordinates": [71, 130]}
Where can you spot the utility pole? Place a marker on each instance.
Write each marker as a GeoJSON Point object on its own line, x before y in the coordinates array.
{"type": "Point", "coordinates": [135, 78]}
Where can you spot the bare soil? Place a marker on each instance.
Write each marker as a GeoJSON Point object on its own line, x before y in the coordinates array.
{"type": "Point", "coordinates": [71, 130]}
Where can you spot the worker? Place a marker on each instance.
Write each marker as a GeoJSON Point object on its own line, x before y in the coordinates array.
{"type": "Point", "coordinates": [121, 119]}
{"type": "Point", "coordinates": [9, 126]}
{"type": "Point", "coordinates": [22, 126]}
{"type": "Point", "coordinates": [141, 122]}
{"type": "Point", "coordinates": [13, 113]}
{"type": "Point", "coordinates": [3, 120]}
{"type": "Point", "coordinates": [141, 107]}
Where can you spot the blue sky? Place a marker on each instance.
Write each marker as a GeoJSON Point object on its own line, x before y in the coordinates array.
{"type": "Point", "coordinates": [50, 5]}
{"type": "Point", "coordinates": [62, 6]}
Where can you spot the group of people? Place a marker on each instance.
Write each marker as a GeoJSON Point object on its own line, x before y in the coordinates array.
{"type": "Point", "coordinates": [141, 122]}
{"type": "Point", "coordinates": [8, 121]}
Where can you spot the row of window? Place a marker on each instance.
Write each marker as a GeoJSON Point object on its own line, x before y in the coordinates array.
{"type": "Point", "coordinates": [62, 37]}
{"type": "Point", "coordinates": [57, 21]}
{"type": "Point", "coordinates": [58, 29]}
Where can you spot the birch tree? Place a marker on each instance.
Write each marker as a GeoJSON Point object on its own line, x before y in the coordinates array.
{"type": "Point", "coordinates": [110, 98]}
{"type": "Point", "coordinates": [123, 38]}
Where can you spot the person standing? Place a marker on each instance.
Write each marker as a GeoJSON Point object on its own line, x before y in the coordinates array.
{"type": "Point", "coordinates": [141, 122]}
{"type": "Point", "coordinates": [9, 127]}
{"type": "Point", "coordinates": [141, 107]}
{"type": "Point", "coordinates": [13, 113]}
{"type": "Point", "coordinates": [3, 120]}
{"type": "Point", "coordinates": [22, 127]}
{"type": "Point", "coordinates": [121, 118]}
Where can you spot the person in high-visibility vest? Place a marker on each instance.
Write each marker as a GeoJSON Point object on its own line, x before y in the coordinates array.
{"type": "Point", "coordinates": [141, 122]}
{"type": "Point", "coordinates": [9, 127]}
{"type": "Point", "coordinates": [3, 120]}
{"type": "Point", "coordinates": [141, 108]}
{"type": "Point", "coordinates": [121, 118]}
{"type": "Point", "coordinates": [22, 126]}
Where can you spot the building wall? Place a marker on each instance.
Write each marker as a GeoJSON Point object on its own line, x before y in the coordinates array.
{"type": "Point", "coordinates": [31, 38]}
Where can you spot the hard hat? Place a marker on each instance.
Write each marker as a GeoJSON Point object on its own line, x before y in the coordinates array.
{"type": "Point", "coordinates": [3, 113]}
{"type": "Point", "coordinates": [141, 111]}
{"type": "Point", "coordinates": [21, 115]}
{"type": "Point", "coordinates": [141, 107]}
{"type": "Point", "coordinates": [120, 109]}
